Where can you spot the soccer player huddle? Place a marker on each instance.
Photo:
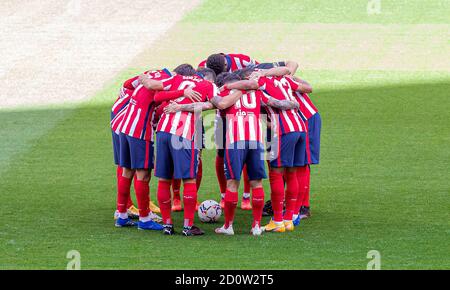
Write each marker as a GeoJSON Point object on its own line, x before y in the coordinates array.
{"type": "Point", "coordinates": [263, 113]}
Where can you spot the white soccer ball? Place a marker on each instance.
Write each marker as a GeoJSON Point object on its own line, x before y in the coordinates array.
{"type": "Point", "coordinates": [209, 211]}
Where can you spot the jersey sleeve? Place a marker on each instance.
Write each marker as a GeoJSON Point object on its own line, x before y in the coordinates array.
{"type": "Point", "coordinates": [132, 83]}
{"type": "Point", "coordinates": [247, 60]}
{"type": "Point", "coordinates": [264, 97]}
{"type": "Point", "coordinates": [262, 83]}
{"type": "Point", "coordinates": [202, 64]}
{"type": "Point", "coordinates": [169, 84]}
{"type": "Point", "coordinates": [164, 96]}
{"type": "Point", "coordinates": [294, 85]}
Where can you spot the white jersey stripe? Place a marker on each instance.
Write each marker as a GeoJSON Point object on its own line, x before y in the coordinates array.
{"type": "Point", "coordinates": [175, 121]}
{"type": "Point", "coordinates": [128, 119]}
{"type": "Point", "coordinates": [116, 118]}
{"type": "Point", "coordinates": [288, 121]}
{"type": "Point", "coordinates": [136, 120]}
{"type": "Point", "coordinates": [119, 102]}
{"type": "Point", "coordinates": [238, 62]}
{"type": "Point", "coordinates": [187, 126]}
{"type": "Point", "coordinates": [165, 121]}
{"type": "Point", "coordinates": [230, 131]}
{"type": "Point", "coordinates": [307, 105]}
{"type": "Point", "coordinates": [241, 128]}
{"type": "Point", "coordinates": [251, 127]}
{"type": "Point", "coordinates": [296, 118]}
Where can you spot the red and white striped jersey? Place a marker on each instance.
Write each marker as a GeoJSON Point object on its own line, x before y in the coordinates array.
{"type": "Point", "coordinates": [243, 122]}
{"type": "Point", "coordinates": [183, 123]}
{"type": "Point", "coordinates": [307, 108]}
{"type": "Point", "coordinates": [235, 62]}
{"type": "Point", "coordinates": [122, 100]}
{"type": "Point", "coordinates": [136, 120]}
{"type": "Point", "coordinates": [125, 95]}
{"type": "Point", "coordinates": [281, 88]}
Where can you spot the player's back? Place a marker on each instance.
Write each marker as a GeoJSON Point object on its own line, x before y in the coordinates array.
{"type": "Point", "coordinates": [243, 118]}
{"type": "Point", "coordinates": [137, 120]}
{"type": "Point", "coordinates": [281, 88]}
{"type": "Point", "coordinates": [179, 82]}
{"type": "Point", "coordinates": [182, 123]}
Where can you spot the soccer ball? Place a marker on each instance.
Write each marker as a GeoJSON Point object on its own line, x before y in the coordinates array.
{"type": "Point", "coordinates": [209, 211]}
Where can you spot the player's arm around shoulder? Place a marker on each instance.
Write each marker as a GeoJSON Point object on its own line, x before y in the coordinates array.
{"type": "Point", "coordinates": [245, 85]}
{"type": "Point", "coordinates": [279, 69]}
{"type": "Point", "coordinates": [174, 107]}
{"type": "Point", "coordinates": [283, 105]}
{"type": "Point", "coordinates": [150, 84]}
{"type": "Point", "coordinates": [227, 101]}
{"type": "Point", "coordinates": [302, 85]}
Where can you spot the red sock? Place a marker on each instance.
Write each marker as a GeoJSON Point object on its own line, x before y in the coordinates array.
{"type": "Point", "coordinates": [143, 197]}
{"type": "Point", "coordinates": [246, 180]}
{"type": "Point", "coordinates": [119, 172]}
{"type": "Point", "coordinates": [301, 179]}
{"type": "Point", "coordinates": [198, 181]}
{"type": "Point", "coordinates": [277, 194]}
{"type": "Point", "coordinates": [220, 172]}
{"type": "Point", "coordinates": [307, 187]}
{"type": "Point", "coordinates": [176, 184]}
{"type": "Point", "coordinates": [190, 201]}
{"type": "Point", "coordinates": [164, 200]}
{"type": "Point", "coordinates": [231, 200]}
{"type": "Point", "coordinates": [291, 194]}
{"type": "Point", "coordinates": [123, 192]}
{"type": "Point", "coordinates": [257, 205]}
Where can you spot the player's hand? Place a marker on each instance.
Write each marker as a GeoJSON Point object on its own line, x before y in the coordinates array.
{"type": "Point", "coordinates": [142, 78]}
{"type": "Point", "coordinates": [256, 75]}
{"type": "Point", "coordinates": [173, 107]}
{"type": "Point", "coordinates": [295, 104]}
{"type": "Point", "coordinates": [192, 95]}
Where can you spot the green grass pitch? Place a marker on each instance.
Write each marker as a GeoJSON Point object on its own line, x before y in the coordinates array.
{"type": "Point", "coordinates": [383, 182]}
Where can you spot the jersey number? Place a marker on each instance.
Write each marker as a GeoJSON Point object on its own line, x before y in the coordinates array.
{"type": "Point", "coordinates": [247, 100]}
{"type": "Point", "coordinates": [282, 86]}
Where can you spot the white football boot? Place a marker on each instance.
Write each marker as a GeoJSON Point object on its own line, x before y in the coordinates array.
{"type": "Point", "coordinates": [225, 231]}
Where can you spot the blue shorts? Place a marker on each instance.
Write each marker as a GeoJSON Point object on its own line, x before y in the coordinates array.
{"type": "Point", "coordinates": [314, 127]}
{"type": "Point", "coordinates": [245, 153]}
{"type": "Point", "coordinates": [135, 153]}
{"type": "Point", "coordinates": [176, 157]}
{"type": "Point", "coordinates": [116, 147]}
{"type": "Point", "coordinates": [115, 143]}
{"type": "Point", "coordinates": [290, 151]}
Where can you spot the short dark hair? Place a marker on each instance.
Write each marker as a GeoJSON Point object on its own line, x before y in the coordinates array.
{"type": "Point", "coordinates": [245, 72]}
{"type": "Point", "coordinates": [220, 78]}
{"type": "Point", "coordinates": [216, 62]}
{"type": "Point", "coordinates": [185, 69]}
{"type": "Point", "coordinates": [207, 73]}
{"type": "Point", "coordinates": [231, 78]}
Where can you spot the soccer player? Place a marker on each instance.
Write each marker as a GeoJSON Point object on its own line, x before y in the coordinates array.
{"type": "Point", "coordinates": [221, 62]}
{"type": "Point", "coordinates": [289, 138]}
{"type": "Point", "coordinates": [244, 137]}
{"type": "Point", "coordinates": [118, 110]}
{"type": "Point", "coordinates": [178, 149]}
{"type": "Point", "coordinates": [162, 98]}
{"type": "Point", "coordinates": [119, 107]}
{"type": "Point", "coordinates": [311, 115]}
{"type": "Point", "coordinates": [136, 153]}
{"type": "Point", "coordinates": [136, 149]}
